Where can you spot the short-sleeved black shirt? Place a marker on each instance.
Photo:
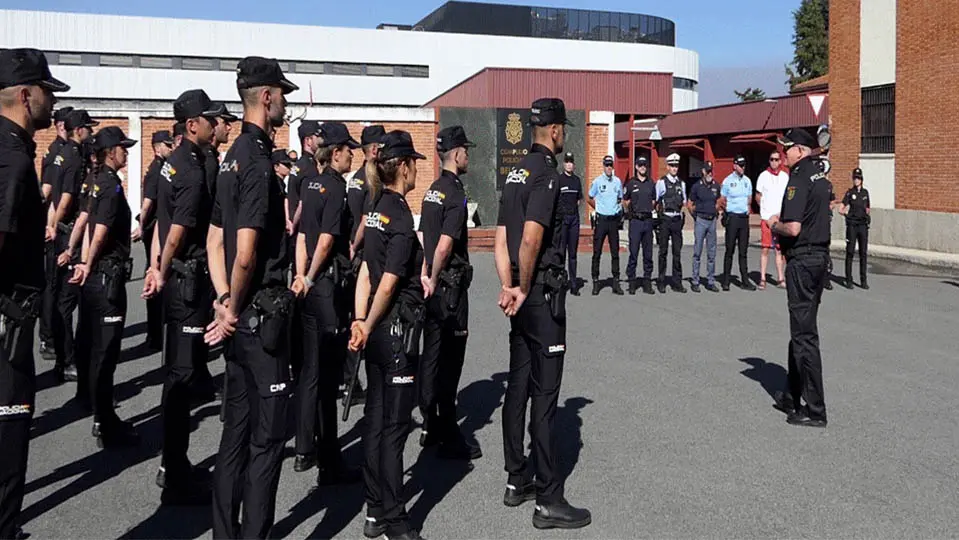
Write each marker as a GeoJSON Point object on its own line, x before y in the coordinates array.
{"type": "Point", "coordinates": [704, 197]}
{"type": "Point", "coordinates": [806, 201]}
{"type": "Point", "coordinates": [641, 196]}
{"type": "Point", "coordinates": [858, 202]}
{"type": "Point", "coordinates": [69, 170]}
{"type": "Point", "coordinates": [444, 212]}
{"type": "Point", "coordinates": [151, 184]}
{"type": "Point", "coordinates": [391, 246]}
{"type": "Point", "coordinates": [304, 170]}
{"type": "Point", "coordinates": [357, 197]}
{"type": "Point", "coordinates": [325, 212]}
{"type": "Point", "coordinates": [52, 152]}
{"type": "Point", "coordinates": [184, 199]}
{"type": "Point", "coordinates": [530, 194]}
{"type": "Point", "coordinates": [22, 216]}
{"type": "Point", "coordinates": [211, 167]}
{"type": "Point", "coordinates": [570, 193]}
{"type": "Point", "coordinates": [250, 196]}
{"type": "Point", "coordinates": [111, 210]}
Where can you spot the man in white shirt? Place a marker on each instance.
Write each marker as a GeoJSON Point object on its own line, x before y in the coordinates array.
{"type": "Point", "coordinates": [769, 194]}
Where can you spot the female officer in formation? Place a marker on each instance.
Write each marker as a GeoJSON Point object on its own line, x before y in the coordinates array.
{"type": "Point", "coordinates": [103, 272]}
{"type": "Point", "coordinates": [389, 306]}
{"type": "Point", "coordinates": [855, 206]}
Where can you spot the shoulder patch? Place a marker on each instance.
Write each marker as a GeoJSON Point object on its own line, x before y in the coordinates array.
{"type": "Point", "coordinates": [58, 161]}
{"type": "Point", "coordinates": [168, 171]}
{"type": "Point", "coordinates": [790, 192]}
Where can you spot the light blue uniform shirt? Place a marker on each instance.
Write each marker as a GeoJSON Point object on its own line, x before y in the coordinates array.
{"type": "Point", "coordinates": [661, 191]}
{"type": "Point", "coordinates": [738, 191]}
{"type": "Point", "coordinates": [608, 194]}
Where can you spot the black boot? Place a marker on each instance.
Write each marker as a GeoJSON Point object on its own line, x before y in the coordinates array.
{"type": "Point", "coordinates": [747, 284]}
{"type": "Point", "coordinates": [595, 286]}
{"type": "Point", "coordinates": [560, 515]}
{"type": "Point", "coordinates": [865, 284]}
{"type": "Point", "coordinates": [304, 462]}
{"type": "Point", "coordinates": [828, 284]}
{"type": "Point", "coordinates": [632, 286]}
{"type": "Point", "coordinates": [518, 494]}
{"type": "Point", "coordinates": [617, 288]}
{"type": "Point", "coordinates": [661, 286]}
{"type": "Point", "coordinates": [373, 528]}
{"type": "Point", "coordinates": [848, 283]}
{"type": "Point", "coordinates": [648, 286]}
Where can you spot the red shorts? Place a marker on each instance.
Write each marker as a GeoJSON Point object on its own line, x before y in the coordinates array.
{"type": "Point", "coordinates": [768, 239]}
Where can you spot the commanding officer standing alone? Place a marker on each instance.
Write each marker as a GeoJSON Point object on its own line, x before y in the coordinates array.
{"type": "Point", "coordinates": [570, 195]}
{"type": "Point", "coordinates": [248, 266]}
{"type": "Point", "coordinates": [803, 229]}
{"type": "Point", "coordinates": [162, 148]}
{"type": "Point", "coordinates": [737, 192]}
{"type": "Point", "coordinates": [606, 198]}
{"type": "Point", "coordinates": [533, 296]}
{"type": "Point", "coordinates": [26, 105]}
{"type": "Point", "coordinates": [702, 205]}
{"type": "Point", "coordinates": [446, 278]}
{"type": "Point", "coordinates": [671, 199]}
{"type": "Point", "coordinates": [855, 206]}
{"type": "Point", "coordinates": [639, 195]}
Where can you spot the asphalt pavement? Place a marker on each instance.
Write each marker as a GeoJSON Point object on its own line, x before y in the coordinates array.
{"type": "Point", "coordinates": [665, 427]}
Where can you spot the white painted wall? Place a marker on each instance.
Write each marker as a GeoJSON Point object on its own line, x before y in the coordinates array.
{"type": "Point", "coordinates": [685, 100]}
{"type": "Point", "coordinates": [879, 177]}
{"type": "Point", "coordinates": [450, 57]}
{"type": "Point", "coordinates": [877, 39]}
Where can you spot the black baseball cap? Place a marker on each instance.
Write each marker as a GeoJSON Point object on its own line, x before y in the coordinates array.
{"type": "Point", "coordinates": [255, 71]}
{"type": "Point", "coordinates": [307, 128]}
{"type": "Point", "coordinates": [452, 137]}
{"type": "Point", "coordinates": [162, 136]}
{"type": "Point", "coordinates": [281, 157]}
{"type": "Point", "coordinates": [194, 103]}
{"type": "Point", "coordinates": [548, 111]}
{"type": "Point", "coordinates": [27, 67]}
{"type": "Point", "coordinates": [608, 161]}
{"type": "Point", "coordinates": [111, 136]}
{"type": "Point", "coordinates": [641, 160]}
{"type": "Point", "coordinates": [372, 135]}
{"type": "Point", "coordinates": [857, 173]}
{"type": "Point", "coordinates": [798, 136]}
{"type": "Point", "coordinates": [226, 115]}
{"type": "Point", "coordinates": [708, 166]}
{"type": "Point", "coordinates": [739, 160]}
{"type": "Point", "coordinates": [398, 144]}
{"type": "Point", "coordinates": [61, 114]}
{"type": "Point", "coordinates": [335, 134]}
{"type": "Point", "coordinates": [79, 118]}
{"type": "Point", "coordinates": [568, 158]}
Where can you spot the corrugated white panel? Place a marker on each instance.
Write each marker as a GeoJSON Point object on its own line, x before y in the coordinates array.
{"type": "Point", "coordinates": [685, 100]}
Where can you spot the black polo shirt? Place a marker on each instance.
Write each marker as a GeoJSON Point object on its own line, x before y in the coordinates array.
{"type": "Point", "coordinates": [325, 212]}
{"type": "Point", "coordinates": [303, 170]}
{"type": "Point", "coordinates": [22, 215]}
{"type": "Point", "coordinates": [357, 195]}
{"type": "Point", "coordinates": [704, 196]}
{"type": "Point", "coordinates": [109, 208]}
{"type": "Point", "coordinates": [211, 167]}
{"type": "Point", "coordinates": [68, 171]}
{"type": "Point", "coordinates": [52, 152]}
{"type": "Point", "coordinates": [444, 212]}
{"type": "Point", "coordinates": [858, 202]}
{"type": "Point", "coordinates": [570, 193]}
{"type": "Point", "coordinates": [641, 196]}
{"type": "Point", "coordinates": [530, 194]}
{"type": "Point", "coordinates": [806, 201]}
{"type": "Point", "coordinates": [250, 196]}
{"type": "Point", "coordinates": [185, 199]}
{"type": "Point", "coordinates": [392, 246]}
{"type": "Point", "coordinates": [151, 184]}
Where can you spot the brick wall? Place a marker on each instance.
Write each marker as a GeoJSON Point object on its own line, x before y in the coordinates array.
{"type": "Point", "coordinates": [927, 102]}
{"type": "Point", "coordinates": [45, 137]}
{"type": "Point", "coordinates": [597, 146]}
{"type": "Point", "coordinates": [844, 90]}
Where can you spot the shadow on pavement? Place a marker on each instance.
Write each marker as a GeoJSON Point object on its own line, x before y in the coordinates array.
{"type": "Point", "coordinates": [569, 434]}
{"type": "Point", "coordinates": [948, 282]}
{"type": "Point", "coordinates": [771, 376]}
{"type": "Point", "coordinates": [136, 353]}
{"type": "Point", "coordinates": [433, 478]}
{"type": "Point", "coordinates": [134, 330]}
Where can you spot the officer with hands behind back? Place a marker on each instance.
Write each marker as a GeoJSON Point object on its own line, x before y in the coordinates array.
{"type": "Point", "coordinates": [856, 208]}
{"type": "Point", "coordinates": [570, 195]}
{"type": "Point", "coordinates": [533, 296]}
{"type": "Point", "coordinates": [248, 261]}
{"type": "Point", "coordinates": [639, 196]}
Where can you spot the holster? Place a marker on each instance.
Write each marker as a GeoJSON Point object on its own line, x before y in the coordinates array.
{"type": "Point", "coordinates": [725, 220]}
{"type": "Point", "coordinates": [555, 286]}
{"type": "Point", "coordinates": [16, 311]}
{"type": "Point", "coordinates": [114, 275]}
{"type": "Point", "coordinates": [356, 263]}
{"type": "Point", "coordinates": [273, 306]}
{"type": "Point", "coordinates": [455, 280]}
{"type": "Point", "coordinates": [65, 228]}
{"type": "Point", "coordinates": [407, 326]}
{"type": "Point", "coordinates": [189, 283]}
{"type": "Point", "coordinates": [342, 271]}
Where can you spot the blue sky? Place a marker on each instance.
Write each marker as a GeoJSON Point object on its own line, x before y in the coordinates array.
{"type": "Point", "coordinates": [740, 43]}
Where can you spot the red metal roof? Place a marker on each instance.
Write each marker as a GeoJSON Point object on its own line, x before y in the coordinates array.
{"type": "Point", "coordinates": [774, 114]}
{"type": "Point", "coordinates": [769, 137]}
{"type": "Point", "coordinates": [619, 92]}
{"type": "Point", "coordinates": [687, 143]}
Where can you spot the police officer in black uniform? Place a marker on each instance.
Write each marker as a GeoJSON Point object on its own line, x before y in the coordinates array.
{"type": "Point", "coordinates": [389, 310]}
{"type": "Point", "coordinates": [26, 105]}
{"type": "Point", "coordinates": [323, 281]}
{"type": "Point", "coordinates": [671, 200]}
{"type": "Point", "coordinates": [570, 195]}
{"type": "Point", "coordinates": [221, 136]}
{"type": "Point", "coordinates": [303, 169]}
{"type": "Point", "coordinates": [103, 276]}
{"type": "Point", "coordinates": [47, 307]}
{"type": "Point", "coordinates": [178, 130]}
{"type": "Point", "coordinates": [639, 194]}
{"type": "Point", "coordinates": [180, 272]}
{"type": "Point", "coordinates": [803, 229]}
{"type": "Point", "coordinates": [248, 266]}
{"type": "Point", "coordinates": [447, 275]}
{"type": "Point", "coordinates": [533, 295]}
{"type": "Point", "coordinates": [162, 148]}
{"type": "Point", "coordinates": [856, 208]}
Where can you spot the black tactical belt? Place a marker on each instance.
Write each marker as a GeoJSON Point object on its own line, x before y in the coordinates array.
{"type": "Point", "coordinates": [708, 217]}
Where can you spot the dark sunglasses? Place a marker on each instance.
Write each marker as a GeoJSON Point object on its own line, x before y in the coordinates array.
{"type": "Point", "coordinates": [774, 159]}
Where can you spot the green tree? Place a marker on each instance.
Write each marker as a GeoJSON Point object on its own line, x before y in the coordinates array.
{"type": "Point", "coordinates": [750, 94]}
{"type": "Point", "coordinates": [811, 42]}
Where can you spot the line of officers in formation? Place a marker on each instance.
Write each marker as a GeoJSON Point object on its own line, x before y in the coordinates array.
{"type": "Point", "coordinates": [657, 210]}
{"type": "Point", "coordinates": [363, 281]}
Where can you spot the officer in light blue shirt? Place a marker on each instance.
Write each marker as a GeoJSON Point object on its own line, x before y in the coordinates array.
{"type": "Point", "coordinates": [606, 198]}
{"type": "Point", "coordinates": [737, 192]}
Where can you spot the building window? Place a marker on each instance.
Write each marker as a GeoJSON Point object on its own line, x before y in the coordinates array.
{"type": "Point", "coordinates": [309, 67]}
{"type": "Point", "coordinates": [683, 84]}
{"type": "Point", "coordinates": [70, 59]}
{"type": "Point", "coordinates": [155, 62]}
{"type": "Point", "coordinates": [379, 71]}
{"type": "Point", "coordinates": [200, 64]}
{"type": "Point", "coordinates": [422, 72]}
{"type": "Point", "coordinates": [116, 60]}
{"type": "Point", "coordinates": [879, 119]}
{"type": "Point", "coordinates": [347, 69]}
{"type": "Point", "coordinates": [228, 65]}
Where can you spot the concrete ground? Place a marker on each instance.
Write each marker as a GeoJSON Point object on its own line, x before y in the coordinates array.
{"type": "Point", "coordinates": [665, 427]}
